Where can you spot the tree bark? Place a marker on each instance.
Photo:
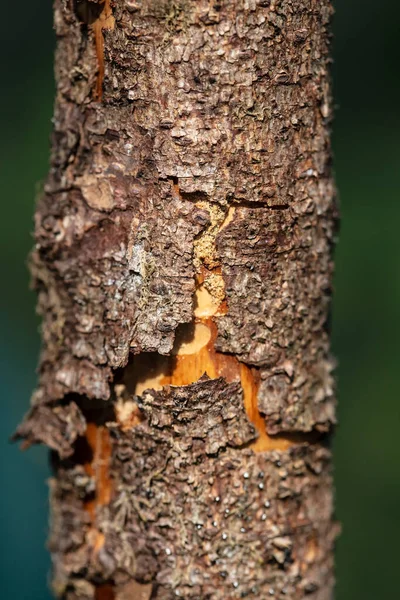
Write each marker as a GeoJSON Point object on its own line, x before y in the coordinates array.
{"type": "Point", "coordinates": [183, 265]}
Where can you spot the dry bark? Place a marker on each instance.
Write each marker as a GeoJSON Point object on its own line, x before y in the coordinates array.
{"type": "Point", "coordinates": [183, 268]}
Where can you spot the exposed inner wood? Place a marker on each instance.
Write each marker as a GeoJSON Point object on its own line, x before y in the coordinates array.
{"type": "Point", "coordinates": [193, 356]}
{"type": "Point", "coordinates": [184, 108]}
{"type": "Point", "coordinates": [206, 305]}
{"type": "Point", "coordinates": [264, 442]}
{"type": "Point", "coordinates": [229, 217]}
{"type": "Point", "coordinates": [105, 20]}
{"type": "Point", "coordinates": [194, 352]}
{"type": "Point", "coordinates": [98, 438]}
{"type": "Point", "coordinates": [191, 340]}
{"type": "Point", "coordinates": [105, 592]}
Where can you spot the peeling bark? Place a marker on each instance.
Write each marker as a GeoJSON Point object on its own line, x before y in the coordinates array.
{"type": "Point", "coordinates": [183, 268]}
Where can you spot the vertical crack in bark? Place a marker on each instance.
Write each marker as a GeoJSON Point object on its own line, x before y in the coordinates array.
{"type": "Point", "coordinates": [194, 352]}
{"type": "Point", "coordinates": [98, 468]}
{"type": "Point", "coordinates": [209, 294]}
{"type": "Point", "coordinates": [104, 21]}
{"type": "Point", "coordinates": [97, 14]}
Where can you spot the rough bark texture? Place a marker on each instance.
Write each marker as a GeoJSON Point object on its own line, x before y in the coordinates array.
{"type": "Point", "coordinates": [190, 155]}
{"type": "Point", "coordinates": [198, 515]}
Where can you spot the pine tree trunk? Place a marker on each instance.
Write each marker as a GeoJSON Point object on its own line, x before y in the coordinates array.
{"type": "Point", "coordinates": [183, 267]}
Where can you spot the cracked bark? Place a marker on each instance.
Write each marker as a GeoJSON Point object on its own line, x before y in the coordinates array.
{"type": "Point", "coordinates": [183, 269]}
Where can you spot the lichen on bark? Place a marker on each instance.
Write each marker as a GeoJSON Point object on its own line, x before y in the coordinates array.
{"type": "Point", "coordinates": [189, 193]}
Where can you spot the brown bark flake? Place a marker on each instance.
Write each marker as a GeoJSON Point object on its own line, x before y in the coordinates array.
{"type": "Point", "coordinates": [183, 269]}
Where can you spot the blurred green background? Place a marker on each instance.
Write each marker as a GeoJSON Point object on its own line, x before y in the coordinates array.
{"type": "Point", "coordinates": [365, 320]}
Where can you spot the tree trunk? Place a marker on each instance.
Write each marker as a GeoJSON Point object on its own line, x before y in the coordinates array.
{"type": "Point", "coordinates": [183, 266]}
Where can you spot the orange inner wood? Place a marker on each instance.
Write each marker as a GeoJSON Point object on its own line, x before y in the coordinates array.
{"type": "Point", "coordinates": [194, 355]}
{"type": "Point", "coordinates": [98, 438]}
{"type": "Point", "coordinates": [105, 592]}
{"type": "Point", "coordinates": [104, 21]}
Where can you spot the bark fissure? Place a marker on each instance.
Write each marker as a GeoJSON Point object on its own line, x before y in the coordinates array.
{"type": "Point", "coordinates": [97, 14]}
{"type": "Point", "coordinates": [183, 269]}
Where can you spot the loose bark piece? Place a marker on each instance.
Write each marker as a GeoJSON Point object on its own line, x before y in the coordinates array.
{"type": "Point", "coordinates": [56, 426]}
{"type": "Point", "coordinates": [183, 268]}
